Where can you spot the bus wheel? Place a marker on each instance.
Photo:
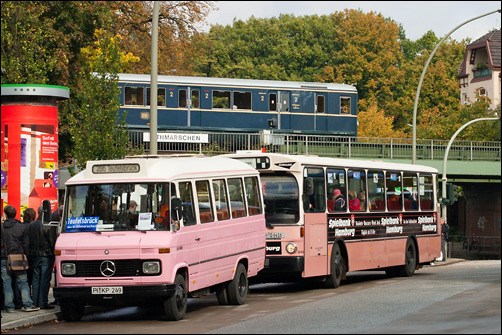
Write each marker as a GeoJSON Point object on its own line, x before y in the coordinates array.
{"type": "Point", "coordinates": [410, 263]}
{"type": "Point", "coordinates": [71, 310]}
{"type": "Point", "coordinates": [221, 294]}
{"type": "Point", "coordinates": [337, 268]}
{"type": "Point", "coordinates": [176, 306]}
{"type": "Point", "coordinates": [238, 288]}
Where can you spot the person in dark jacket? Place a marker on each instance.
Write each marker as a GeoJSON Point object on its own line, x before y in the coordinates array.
{"type": "Point", "coordinates": [41, 250]}
{"type": "Point", "coordinates": [14, 241]}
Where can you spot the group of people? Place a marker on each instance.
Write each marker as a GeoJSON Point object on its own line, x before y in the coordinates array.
{"type": "Point", "coordinates": [36, 240]}
{"type": "Point", "coordinates": [356, 202]}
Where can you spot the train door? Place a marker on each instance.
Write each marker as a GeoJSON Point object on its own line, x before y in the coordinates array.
{"type": "Point", "coordinates": [189, 99]}
{"type": "Point", "coordinates": [283, 111]}
{"type": "Point", "coordinates": [320, 112]}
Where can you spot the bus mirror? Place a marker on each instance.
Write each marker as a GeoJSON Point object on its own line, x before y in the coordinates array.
{"type": "Point", "coordinates": [175, 212]}
{"type": "Point", "coordinates": [308, 186]}
{"type": "Point", "coordinates": [46, 205]}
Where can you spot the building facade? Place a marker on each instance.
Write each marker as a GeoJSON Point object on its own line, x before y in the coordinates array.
{"type": "Point", "coordinates": [479, 72]}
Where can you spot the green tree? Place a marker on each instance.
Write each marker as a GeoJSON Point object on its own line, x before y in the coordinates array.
{"type": "Point", "coordinates": [31, 52]}
{"type": "Point", "coordinates": [98, 132]}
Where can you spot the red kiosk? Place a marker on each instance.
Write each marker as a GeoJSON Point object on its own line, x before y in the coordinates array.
{"type": "Point", "coordinates": [30, 145]}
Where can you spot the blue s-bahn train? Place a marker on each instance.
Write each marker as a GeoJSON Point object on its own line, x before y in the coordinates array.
{"type": "Point", "coordinates": [240, 105]}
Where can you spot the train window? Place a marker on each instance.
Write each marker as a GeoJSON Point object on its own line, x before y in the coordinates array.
{"type": "Point", "coordinates": [242, 100]}
{"type": "Point", "coordinates": [345, 105]}
{"type": "Point", "coordinates": [133, 96]}
{"type": "Point", "coordinates": [182, 98]}
{"type": "Point", "coordinates": [221, 99]}
{"type": "Point", "coordinates": [195, 99]}
{"type": "Point", "coordinates": [272, 104]}
{"type": "Point", "coordinates": [320, 104]}
{"type": "Point", "coordinates": [161, 96]}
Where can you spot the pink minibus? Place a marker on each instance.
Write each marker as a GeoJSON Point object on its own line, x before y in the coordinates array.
{"type": "Point", "coordinates": [154, 229]}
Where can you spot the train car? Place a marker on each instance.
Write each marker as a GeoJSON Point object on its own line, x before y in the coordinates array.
{"type": "Point", "coordinates": [240, 105]}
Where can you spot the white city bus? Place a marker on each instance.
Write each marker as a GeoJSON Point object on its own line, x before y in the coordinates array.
{"type": "Point", "coordinates": [385, 217]}
{"type": "Point", "coordinates": [150, 230]}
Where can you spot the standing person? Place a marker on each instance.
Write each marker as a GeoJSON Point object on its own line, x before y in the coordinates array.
{"type": "Point", "coordinates": [29, 215]}
{"type": "Point", "coordinates": [14, 241]}
{"type": "Point", "coordinates": [42, 241]}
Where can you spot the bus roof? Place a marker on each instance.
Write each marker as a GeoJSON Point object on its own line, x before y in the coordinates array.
{"type": "Point", "coordinates": [159, 169]}
{"type": "Point", "coordinates": [312, 160]}
{"type": "Point", "coordinates": [210, 81]}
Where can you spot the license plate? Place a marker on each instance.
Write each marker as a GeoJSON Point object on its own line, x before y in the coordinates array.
{"type": "Point", "coordinates": [107, 290]}
{"type": "Point", "coordinates": [274, 236]}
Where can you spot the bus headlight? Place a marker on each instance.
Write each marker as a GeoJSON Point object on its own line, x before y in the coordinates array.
{"type": "Point", "coordinates": [151, 267]}
{"type": "Point", "coordinates": [291, 248]}
{"type": "Point", "coordinates": [68, 269]}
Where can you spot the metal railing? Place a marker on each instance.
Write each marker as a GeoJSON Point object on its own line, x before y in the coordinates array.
{"type": "Point", "coordinates": [326, 145]}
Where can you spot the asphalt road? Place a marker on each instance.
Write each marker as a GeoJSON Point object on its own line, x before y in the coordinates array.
{"type": "Point", "coordinates": [456, 298]}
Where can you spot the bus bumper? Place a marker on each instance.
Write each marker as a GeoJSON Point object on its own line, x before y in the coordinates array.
{"type": "Point", "coordinates": [283, 264]}
{"type": "Point", "coordinates": [132, 295]}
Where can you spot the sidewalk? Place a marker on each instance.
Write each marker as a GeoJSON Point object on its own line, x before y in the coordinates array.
{"type": "Point", "coordinates": [20, 319]}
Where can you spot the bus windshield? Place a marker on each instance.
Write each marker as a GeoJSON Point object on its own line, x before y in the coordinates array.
{"type": "Point", "coordinates": [117, 207]}
{"type": "Point", "coordinates": [280, 194]}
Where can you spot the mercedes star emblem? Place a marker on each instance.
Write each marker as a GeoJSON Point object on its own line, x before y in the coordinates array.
{"type": "Point", "coordinates": [107, 268]}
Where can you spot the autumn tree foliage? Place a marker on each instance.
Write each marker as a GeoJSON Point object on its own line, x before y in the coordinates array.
{"type": "Point", "coordinates": [374, 123]}
{"type": "Point", "coordinates": [50, 42]}
{"type": "Point", "coordinates": [97, 129]}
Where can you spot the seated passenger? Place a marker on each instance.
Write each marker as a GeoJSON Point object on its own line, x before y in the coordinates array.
{"type": "Point", "coordinates": [362, 200]}
{"type": "Point", "coordinates": [339, 200]}
{"type": "Point", "coordinates": [354, 204]}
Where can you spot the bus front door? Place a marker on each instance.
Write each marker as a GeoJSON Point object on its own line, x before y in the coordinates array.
{"type": "Point", "coordinates": [316, 245]}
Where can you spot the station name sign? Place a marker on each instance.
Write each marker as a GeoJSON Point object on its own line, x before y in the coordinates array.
{"type": "Point", "coordinates": [115, 168]}
{"type": "Point", "coordinates": [178, 137]}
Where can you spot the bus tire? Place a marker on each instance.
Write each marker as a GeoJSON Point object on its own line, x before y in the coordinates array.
{"type": "Point", "coordinates": [337, 268]}
{"type": "Point", "coordinates": [221, 294]}
{"type": "Point", "coordinates": [71, 311]}
{"type": "Point", "coordinates": [176, 306]}
{"type": "Point", "coordinates": [410, 261]}
{"type": "Point", "coordinates": [238, 288]}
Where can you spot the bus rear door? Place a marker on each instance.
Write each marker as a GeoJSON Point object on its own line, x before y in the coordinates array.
{"type": "Point", "coordinates": [316, 245]}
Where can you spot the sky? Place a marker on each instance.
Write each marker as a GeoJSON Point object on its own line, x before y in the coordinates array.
{"type": "Point", "coordinates": [416, 17]}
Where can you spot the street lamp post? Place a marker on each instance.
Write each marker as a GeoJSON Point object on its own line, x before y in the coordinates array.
{"type": "Point", "coordinates": [445, 159]}
{"type": "Point", "coordinates": [153, 79]}
{"type": "Point", "coordinates": [414, 138]}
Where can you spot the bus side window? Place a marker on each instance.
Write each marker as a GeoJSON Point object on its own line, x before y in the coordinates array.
{"type": "Point", "coordinates": [394, 190]}
{"type": "Point", "coordinates": [187, 209]}
{"type": "Point", "coordinates": [204, 199]}
{"type": "Point", "coordinates": [253, 195]}
{"type": "Point", "coordinates": [336, 181]}
{"type": "Point", "coordinates": [236, 192]}
{"type": "Point", "coordinates": [376, 191]}
{"type": "Point", "coordinates": [220, 199]}
{"type": "Point", "coordinates": [426, 192]}
{"type": "Point", "coordinates": [357, 190]}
